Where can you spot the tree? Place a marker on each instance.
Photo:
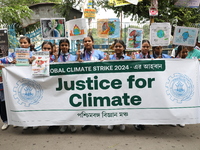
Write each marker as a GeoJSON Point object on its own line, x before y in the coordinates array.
{"type": "Point", "coordinates": [168, 12]}
{"type": "Point", "coordinates": [13, 11]}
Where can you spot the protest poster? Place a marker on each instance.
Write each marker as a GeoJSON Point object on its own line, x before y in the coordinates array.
{"type": "Point", "coordinates": [108, 28]}
{"type": "Point", "coordinates": [134, 38]}
{"type": "Point", "coordinates": [53, 28]}
{"type": "Point", "coordinates": [160, 34]}
{"type": "Point", "coordinates": [40, 66]}
{"type": "Point", "coordinates": [22, 56]}
{"type": "Point", "coordinates": [3, 42]}
{"type": "Point", "coordinates": [185, 36]}
{"type": "Point", "coordinates": [89, 13]}
{"type": "Point", "coordinates": [77, 28]}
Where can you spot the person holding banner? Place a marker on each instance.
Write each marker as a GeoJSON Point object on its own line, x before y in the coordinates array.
{"type": "Point", "coordinates": [63, 53]}
{"type": "Point", "coordinates": [25, 42]}
{"type": "Point", "coordinates": [88, 53]}
{"type": "Point", "coordinates": [145, 51]}
{"type": "Point", "coordinates": [157, 52]}
{"type": "Point", "coordinates": [64, 56]}
{"type": "Point", "coordinates": [144, 54]}
{"type": "Point", "coordinates": [119, 47]}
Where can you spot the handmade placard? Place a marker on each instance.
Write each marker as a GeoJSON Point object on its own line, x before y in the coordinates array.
{"type": "Point", "coordinates": [53, 28]}
{"type": "Point", "coordinates": [134, 38]}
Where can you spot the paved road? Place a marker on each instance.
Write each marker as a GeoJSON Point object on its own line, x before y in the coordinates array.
{"type": "Point", "coordinates": [152, 138]}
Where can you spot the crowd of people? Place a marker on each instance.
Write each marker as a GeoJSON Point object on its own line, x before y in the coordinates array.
{"type": "Point", "coordinates": [61, 53]}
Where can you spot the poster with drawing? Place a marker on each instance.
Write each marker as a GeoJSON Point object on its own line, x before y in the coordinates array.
{"type": "Point", "coordinates": [185, 36]}
{"type": "Point", "coordinates": [77, 28]}
{"type": "Point", "coordinates": [3, 42]}
{"type": "Point", "coordinates": [53, 28]}
{"type": "Point", "coordinates": [22, 56]}
{"type": "Point", "coordinates": [108, 28]}
{"type": "Point", "coordinates": [160, 34]}
{"type": "Point", "coordinates": [40, 66]}
{"type": "Point", "coordinates": [134, 38]}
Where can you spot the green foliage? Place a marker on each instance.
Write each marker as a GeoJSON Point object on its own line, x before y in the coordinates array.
{"type": "Point", "coordinates": [13, 11]}
{"type": "Point", "coordinates": [167, 12]}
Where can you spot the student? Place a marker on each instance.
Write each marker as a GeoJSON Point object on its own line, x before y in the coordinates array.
{"type": "Point", "coordinates": [157, 52]}
{"type": "Point", "coordinates": [55, 48]}
{"type": "Point", "coordinates": [181, 52]}
{"type": "Point", "coordinates": [48, 46]}
{"type": "Point", "coordinates": [25, 42]}
{"type": "Point", "coordinates": [89, 54]}
{"type": "Point", "coordinates": [119, 47]}
{"type": "Point", "coordinates": [64, 56]}
{"type": "Point", "coordinates": [193, 53]}
{"type": "Point", "coordinates": [145, 51]}
{"type": "Point", "coordinates": [144, 54]}
{"type": "Point", "coordinates": [63, 53]}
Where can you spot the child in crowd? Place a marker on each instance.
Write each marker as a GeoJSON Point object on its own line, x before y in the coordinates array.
{"type": "Point", "coordinates": [181, 52]}
{"type": "Point", "coordinates": [157, 52]}
{"type": "Point", "coordinates": [193, 53]}
{"type": "Point", "coordinates": [48, 46]}
{"type": "Point", "coordinates": [64, 56]}
{"type": "Point", "coordinates": [25, 42]}
{"type": "Point", "coordinates": [89, 54]}
{"type": "Point", "coordinates": [63, 53]}
{"type": "Point", "coordinates": [55, 48]}
{"type": "Point", "coordinates": [145, 51]}
{"type": "Point", "coordinates": [119, 47]}
{"type": "Point", "coordinates": [144, 54]}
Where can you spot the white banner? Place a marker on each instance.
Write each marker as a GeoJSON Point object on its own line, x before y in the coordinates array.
{"type": "Point", "coordinates": [109, 92]}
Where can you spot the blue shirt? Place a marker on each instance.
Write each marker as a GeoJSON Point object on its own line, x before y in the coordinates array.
{"type": "Point", "coordinates": [163, 56]}
{"type": "Point", "coordinates": [141, 56]}
{"type": "Point", "coordinates": [68, 57]}
{"type": "Point", "coordinates": [114, 57]}
{"type": "Point", "coordinates": [92, 55]}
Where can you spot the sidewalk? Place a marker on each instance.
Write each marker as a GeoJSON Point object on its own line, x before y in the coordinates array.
{"type": "Point", "coordinates": [152, 138]}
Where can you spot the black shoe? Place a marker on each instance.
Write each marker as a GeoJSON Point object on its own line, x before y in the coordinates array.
{"type": "Point", "coordinates": [139, 127]}
{"type": "Point", "coordinates": [85, 127]}
{"type": "Point", "coordinates": [97, 127]}
{"type": "Point", "coordinates": [50, 128]}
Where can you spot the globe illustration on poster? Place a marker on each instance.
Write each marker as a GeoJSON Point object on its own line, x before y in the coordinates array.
{"type": "Point", "coordinates": [160, 33]}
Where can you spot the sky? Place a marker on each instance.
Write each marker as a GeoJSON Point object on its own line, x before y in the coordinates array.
{"type": "Point", "coordinates": [103, 14]}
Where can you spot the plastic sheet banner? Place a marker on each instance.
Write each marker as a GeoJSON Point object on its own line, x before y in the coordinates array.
{"type": "Point", "coordinates": [110, 92]}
